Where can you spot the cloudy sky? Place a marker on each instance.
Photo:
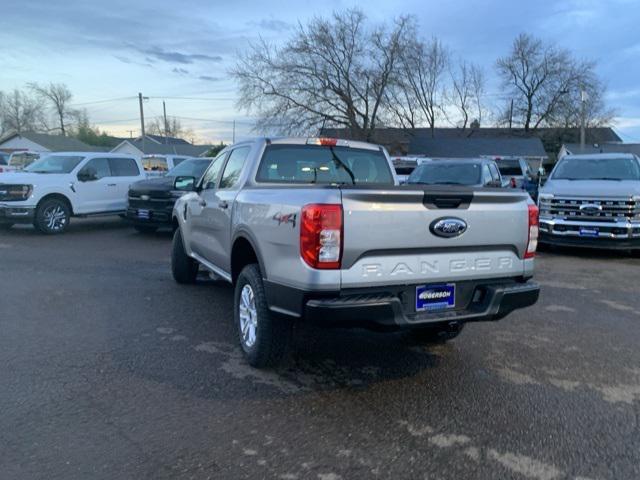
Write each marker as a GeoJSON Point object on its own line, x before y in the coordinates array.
{"type": "Point", "coordinates": [180, 51]}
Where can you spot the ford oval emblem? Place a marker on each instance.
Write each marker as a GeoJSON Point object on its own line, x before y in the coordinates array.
{"type": "Point", "coordinates": [448, 227]}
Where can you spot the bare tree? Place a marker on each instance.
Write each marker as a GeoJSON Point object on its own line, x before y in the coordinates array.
{"type": "Point", "coordinates": [21, 112]}
{"type": "Point", "coordinates": [539, 76]}
{"type": "Point", "coordinates": [423, 67]}
{"type": "Point", "coordinates": [332, 72]}
{"type": "Point", "coordinates": [465, 94]}
{"type": "Point", "coordinates": [173, 128]}
{"type": "Point", "coordinates": [591, 91]}
{"type": "Point", "coordinates": [58, 96]}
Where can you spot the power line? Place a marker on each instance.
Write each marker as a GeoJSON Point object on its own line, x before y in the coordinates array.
{"type": "Point", "coordinates": [206, 99]}
{"type": "Point", "coordinates": [106, 100]}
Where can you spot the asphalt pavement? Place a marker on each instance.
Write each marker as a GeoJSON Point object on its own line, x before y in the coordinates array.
{"type": "Point", "coordinates": [110, 370]}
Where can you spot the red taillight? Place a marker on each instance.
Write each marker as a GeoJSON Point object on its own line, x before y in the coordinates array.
{"type": "Point", "coordinates": [532, 244]}
{"type": "Point", "coordinates": [328, 142]}
{"type": "Point", "coordinates": [513, 182]}
{"type": "Point", "coordinates": [321, 235]}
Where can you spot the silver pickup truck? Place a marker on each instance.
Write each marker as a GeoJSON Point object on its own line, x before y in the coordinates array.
{"type": "Point", "coordinates": [319, 229]}
{"type": "Point", "coordinates": [592, 201]}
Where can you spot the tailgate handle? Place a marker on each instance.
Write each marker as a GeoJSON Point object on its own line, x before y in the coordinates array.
{"type": "Point", "coordinates": [432, 200]}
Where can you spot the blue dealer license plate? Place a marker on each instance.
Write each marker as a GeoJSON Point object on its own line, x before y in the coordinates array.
{"type": "Point", "coordinates": [435, 297]}
{"type": "Point", "coordinates": [589, 232]}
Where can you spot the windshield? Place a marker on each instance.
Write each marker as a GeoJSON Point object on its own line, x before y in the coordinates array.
{"type": "Point", "coordinates": [55, 164]}
{"type": "Point", "coordinates": [189, 168]}
{"type": "Point", "coordinates": [322, 164]}
{"type": "Point", "coordinates": [435, 173]}
{"type": "Point", "coordinates": [597, 169]}
{"type": "Point", "coordinates": [510, 168]}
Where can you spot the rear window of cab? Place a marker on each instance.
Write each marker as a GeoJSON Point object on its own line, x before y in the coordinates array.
{"type": "Point", "coordinates": [314, 164]}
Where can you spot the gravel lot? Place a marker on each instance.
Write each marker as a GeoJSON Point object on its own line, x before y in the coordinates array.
{"type": "Point", "coordinates": [111, 370]}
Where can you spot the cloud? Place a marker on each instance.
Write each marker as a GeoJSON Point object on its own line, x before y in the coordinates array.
{"type": "Point", "coordinates": [169, 56]}
{"type": "Point", "coordinates": [271, 24]}
{"type": "Point", "coordinates": [180, 71]}
{"type": "Point", "coordinates": [209, 78]}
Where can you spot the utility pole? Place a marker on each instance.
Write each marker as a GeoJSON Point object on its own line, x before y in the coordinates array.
{"type": "Point", "coordinates": [583, 114]}
{"type": "Point", "coordinates": [511, 114]}
{"type": "Point", "coordinates": [166, 125]}
{"type": "Point", "coordinates": [141, 120]}
{"type": "Point", "coordinates": [130, 133]}
{"type": "Point", "coordinates": [234, 132]}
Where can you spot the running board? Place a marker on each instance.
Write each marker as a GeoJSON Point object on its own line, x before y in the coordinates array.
{"type": "Point", "coordinates": [218, 271]}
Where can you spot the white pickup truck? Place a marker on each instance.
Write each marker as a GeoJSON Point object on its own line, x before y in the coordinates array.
{"type": "Point", "coordinates": [58, 186]}
{"type": "Point", "coordinates": [319, 230]}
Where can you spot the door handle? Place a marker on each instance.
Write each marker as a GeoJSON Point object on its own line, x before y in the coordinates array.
{"type": "Point", "coordinates": [223, 204]}
{"type": "Point", "coordinates": [202, 202]}
{"type": "Point", "coordinates": [111, 184]}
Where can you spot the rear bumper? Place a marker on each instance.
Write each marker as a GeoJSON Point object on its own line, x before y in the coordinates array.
{"type": "Point", "coordinates": [394, 307]}
{"type": "Point", "coordinates": [16, 214]}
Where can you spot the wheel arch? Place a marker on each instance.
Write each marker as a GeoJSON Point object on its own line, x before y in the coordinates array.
{"type": "Point", "coordinates": [244, 251]}
{"type": "Point", "coordinates": [58, 196]}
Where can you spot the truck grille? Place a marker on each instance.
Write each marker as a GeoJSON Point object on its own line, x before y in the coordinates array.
{"type": "Point", "coordinates": [591, 209]}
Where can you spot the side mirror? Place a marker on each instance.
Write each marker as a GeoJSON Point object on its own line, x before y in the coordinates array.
{"type": "Point", "coordinates": [87, 175]}
{"type": "Point", "coordinates": [184, 184]}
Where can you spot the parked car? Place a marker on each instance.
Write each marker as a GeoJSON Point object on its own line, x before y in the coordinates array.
{"type": "Point", "coordinates": [4, 161]}
{"type": "Point", "coordinates": [20, 160]}
{"type": "Point", "coordinates": [61, 185]}
{"type": "Point", "coordinates": [472, 172]}
{"type": "Point", "coordinates": [320, 230]}
{"type": "Point", "coordinates": [158, 165]}
{"type": "Point", "coordinates": [592, 201]}
{"type": "Point", "coordinates": [405, 165]}
{"type": "Point", "coordinates": [151, 201]}
{"type": "Point", "coordinates": [517, 173]}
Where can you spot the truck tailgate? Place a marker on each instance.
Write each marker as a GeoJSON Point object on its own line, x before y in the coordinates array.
{"type": "Point", "coordinates": [388, 241]}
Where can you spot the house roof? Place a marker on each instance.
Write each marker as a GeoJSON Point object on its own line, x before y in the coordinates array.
{"type": "Point", "coordinates": [530, 147]}
{"type": "Point", "coordinates": [54, 143]}
{"type": "Point", "coordinates": [574, 148]}
{"type": "Point", "coordinates": [152, 148]}
{"type": "Point", "coordinates": [165, 140]}
{"type": "Point", "coordinates": [399, 139]}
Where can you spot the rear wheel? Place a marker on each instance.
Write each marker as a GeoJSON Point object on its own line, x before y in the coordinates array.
{"type": "Point", "coordinates": [264, 337]}
{"type": "Point", "coordinates": [52, 216]}
{"type": "Point", "coordinates": [145, 228]}
{"type": "Point", "coordinates": [183, 267]}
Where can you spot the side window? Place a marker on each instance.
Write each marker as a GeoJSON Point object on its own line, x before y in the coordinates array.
{"type": "Point", "coordinates": [486, 175]}
{"type": "Point", "coordinates": [124, 167]}
{"type": "Point", "coordinates": [210, 177]}
{"type": "Point", "coordinates": [495, 174]}
{"type": "Point", "coordinates": [178, 160]}
{"type": "Point", "coordinates": [234, 166]}
{"type": "Point", "coordinates": [96, 168]}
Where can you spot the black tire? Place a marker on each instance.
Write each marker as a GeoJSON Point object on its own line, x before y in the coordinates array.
{"type": "Point", "coordinates": [5, 225]}
{"type": "Point", "coordinates": [52, 216]}
{"type": "Point", "coordinates": [146, 229]}
{"type": "Point", "coordinates": [272, 333]}
{"type": "Point", "coordinates": [183, 267]}
{"type": "Point", "coordinates": [436, 334]}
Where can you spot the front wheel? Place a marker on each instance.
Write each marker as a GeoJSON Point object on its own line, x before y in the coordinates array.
{"type": "Point", "coordinates": [183, 267]}
{"type": "Point", "coordinates": [264, 338]}
{"type": "Point", "coordinates": [52, 216]}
